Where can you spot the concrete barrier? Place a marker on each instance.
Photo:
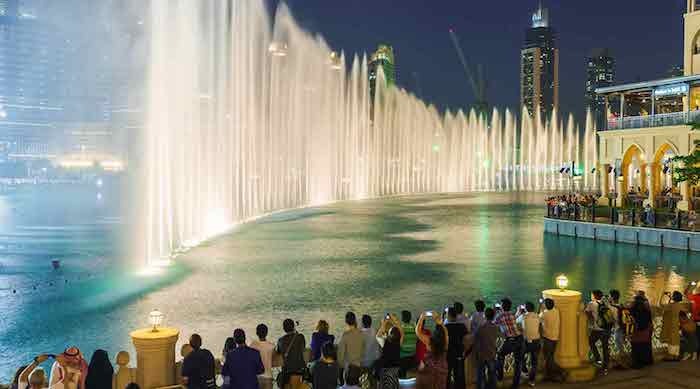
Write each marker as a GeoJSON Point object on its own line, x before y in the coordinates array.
{"type": "Point", "coordinates": [645, 236]}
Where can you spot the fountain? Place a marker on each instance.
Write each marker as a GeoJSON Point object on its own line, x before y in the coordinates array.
{"type": "Point", "coordinates": [247, 116]}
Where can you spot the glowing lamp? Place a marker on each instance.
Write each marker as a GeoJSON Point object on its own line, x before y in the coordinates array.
{"type": "Point", "coordinates": [562, 282]}
{"type": "Point", "coordinates": [155, 318]}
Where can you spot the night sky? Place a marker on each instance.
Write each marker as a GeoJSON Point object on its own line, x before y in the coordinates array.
{"type": "Point", "coordinates": [645, 36]}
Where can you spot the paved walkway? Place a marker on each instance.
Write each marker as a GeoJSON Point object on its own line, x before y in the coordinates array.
{"type": "Point", "coordinates": [666, 375]}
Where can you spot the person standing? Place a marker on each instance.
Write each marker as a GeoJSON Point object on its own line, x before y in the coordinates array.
{"type": "Point", "coordinates": [326, 372]}
{"type": "Point", "coordinates": [670, 333]}
{"type": "Point", "coordinates": [390, 361]}
{"type": "Point", "coordinates": [31, 376]}
{"type": "Point", "coordinates": [291, 347]}
{"type": "Point", "coordinates": [692, 293]}
{"type": "Point", "coordinates": [617, 309]}
{"type": "Point", "coordinates": [461, 317]}
{"type": "Point", "coordinates": [485, 351]}
{"type": "Point", "coordinates": [319, 338]}
{"type": "Point", "coordinates": [351, 347]}
{"type": "Point", "coordinates": [69, 371]}
{"type": "Point", "coordinates": [513, 343]}
{"type": "Point", "coordinates": [243, 364]}
{"type": "Point", "coordinates": [371, 350]}
{"type": "Point", "coordinates": [266, 349]}
{"type": "Point", "coordinates": [408, 344]}
{"type": "Point", "coordinates": [198, 367]}
{"type": "Point", "coordinates": [432, 373]}
{"type": "Point", "coordinates": [529, 321]}
{"type": "Point", "coordinates": [100, 371]}
{"type": "Point", "coordinates": [597, 332]}
{"type": "Point", "coordinates": [477, 318]}
{"type": "Point", "coordinates": [550, 338]}
{"type": "Point", "coordinates": [456, 332]}
{"type": "Point", "coordinates": [642, 353]}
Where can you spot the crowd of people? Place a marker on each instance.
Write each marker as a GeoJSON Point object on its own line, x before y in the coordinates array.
{"type": "Point", "coordinates": [574, 205]}
{"type": "Point", "coordinates": [441, 348]}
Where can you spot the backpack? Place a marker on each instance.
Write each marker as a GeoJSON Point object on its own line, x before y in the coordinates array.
{"type": "Point", "coordinates": [627, 322]}
{"type": "Point", "coordinates": [606, 318]}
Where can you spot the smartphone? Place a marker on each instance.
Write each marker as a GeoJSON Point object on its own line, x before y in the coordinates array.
{"type": "Point", "coordinates": [497, 305]}
{"type": "Point", "coordinates": [52, 356]}
{"type": "Point", "coordinates": [694, 283]}
{"type": "Point", "coordinates": [447, 308]}
{"type": "Point", "coordinates": [541, 301]}
{"type": "Point", "coordinates": [522, 307]}
{"type": "Point", "coordinates": [387, 316]}
{"type": "Point", "coordinates": [429, 314]}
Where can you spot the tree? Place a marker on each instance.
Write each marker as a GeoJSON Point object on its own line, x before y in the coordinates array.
{"type": "Point", "coordinates": [690, 170]}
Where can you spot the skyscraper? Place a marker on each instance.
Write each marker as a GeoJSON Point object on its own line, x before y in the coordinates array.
{"type": "Point", "coordinates": [539, 66]}
{"type": "Point", "coordinates": [384, 58]}
{"type": "Point", "coordinates": [600, 70]}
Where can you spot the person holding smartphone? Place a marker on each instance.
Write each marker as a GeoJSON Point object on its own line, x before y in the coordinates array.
{"type": "Point", "coordinates": [432, 373]}
{"type": "Point", "coordinates": [33, 376]}
{"type": "Point", "coordinates": [513, 343]}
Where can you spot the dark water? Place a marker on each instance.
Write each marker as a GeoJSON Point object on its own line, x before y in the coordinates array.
{"type": "Point", "coordinates": [375, 256]}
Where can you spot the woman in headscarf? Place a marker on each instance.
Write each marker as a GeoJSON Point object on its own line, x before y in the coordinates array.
{"type": "Point", "coordinates": [642, 353]}
{"type": "Point", "coordinates": [100, 371]}
{"type": "Point", "coordinates": [69, 371]}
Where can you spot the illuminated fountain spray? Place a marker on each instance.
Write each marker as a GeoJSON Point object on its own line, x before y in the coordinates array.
{"type": "Point", "coordinates": [248, 116]}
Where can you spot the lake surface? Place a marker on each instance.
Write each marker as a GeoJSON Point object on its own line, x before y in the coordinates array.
{"type": "Point", "coordinates": [371, 256]}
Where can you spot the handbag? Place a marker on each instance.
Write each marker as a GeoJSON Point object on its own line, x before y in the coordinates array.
{"type": "Point", "coordinates": [282, 378]}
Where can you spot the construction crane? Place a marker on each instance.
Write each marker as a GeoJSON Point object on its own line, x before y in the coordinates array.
{"type": "Point", "coordinates": [476, 80]}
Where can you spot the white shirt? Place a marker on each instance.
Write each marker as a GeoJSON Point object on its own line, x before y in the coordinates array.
{"type": "Point", "coordinates": [69, 378]}
{"type": "Point", "coordinates": [550, 324]}
{"type": "Point", "coordinates": [530, 323]}
{"type": "Point", "coordinates": [592, 308]}
{"type": "Point", "coordinates": [265, 349]}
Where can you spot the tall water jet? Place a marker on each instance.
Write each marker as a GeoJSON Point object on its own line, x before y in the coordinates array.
{"type": "Point", "coordinates": [249, 114]}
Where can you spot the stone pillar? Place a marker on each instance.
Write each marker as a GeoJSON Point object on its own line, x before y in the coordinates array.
{"type": "Point", "coordinates": [643, 176]}
{"type": "Point", "coordinates": [654, 182]}
{"type": "Point", "coordinates": [572, 349]}
{"type": "Point", "coordinates": [605, 179]}
{"type": "Point", "coordinates": [155, 357]}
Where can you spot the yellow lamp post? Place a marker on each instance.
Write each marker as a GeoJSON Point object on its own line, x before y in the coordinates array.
{"type": "Point", "coordinates": [155, 353]}
{"type": "Point", "coordinates": [572, 348]}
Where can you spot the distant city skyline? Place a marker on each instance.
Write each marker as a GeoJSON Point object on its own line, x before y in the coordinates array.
{"type": "Point", "coordinates": [492, 35]}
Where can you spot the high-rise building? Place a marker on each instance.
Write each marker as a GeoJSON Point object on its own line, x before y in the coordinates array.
{"type": "Point", "coordinates": [8, 8]}
{"type": "Point", "coordinates": [600, 70]}
{"type": "Point", "coordinates": [539, 66]}
{"type": "Point", "coordinates": [32, 84]}
{"type": "Point", "coordinates": [384, 58]}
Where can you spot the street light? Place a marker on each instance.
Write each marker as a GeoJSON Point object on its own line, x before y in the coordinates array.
{"type": "Point", "coordinates": [155, 318]}
{"type": "Point", "coordinates": [562, 282]}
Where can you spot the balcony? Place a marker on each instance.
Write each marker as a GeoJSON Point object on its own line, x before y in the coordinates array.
{"type": "Point", "coordinates": [650, 121]}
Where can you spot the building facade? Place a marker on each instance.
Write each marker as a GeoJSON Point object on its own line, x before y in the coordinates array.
{"type": "Point", "coordinates": [539, 66]}
{"type": "Point", "coordinates": [600, 73]}
{"type": "Point", "coordinates": [382, 58]}
{"type": "Point", "coordinates": [32, 79]}
{"type": "Point", "coordinates": [647, 124]}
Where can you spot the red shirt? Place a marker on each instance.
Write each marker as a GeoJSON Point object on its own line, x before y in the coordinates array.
{"type": "Point", "coordinates": [695, 305]}
{"type": "Point", "coordinates": [421, 348]}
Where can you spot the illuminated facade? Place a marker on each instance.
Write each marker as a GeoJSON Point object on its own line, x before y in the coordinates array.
{"type": "Point", "coordinates": [32, 72]}
{"type": "Point", "coordinates": [539, 66]}
{"type": "Point", "coordinates": [600, 69]}
{"type": "Point", "coordinates": [384, 58]}
{"type": "Point", "coordinates": [647, 124]}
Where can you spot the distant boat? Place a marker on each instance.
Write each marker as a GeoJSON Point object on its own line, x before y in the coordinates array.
{"type": "Point", "coordinates": [55, 264]}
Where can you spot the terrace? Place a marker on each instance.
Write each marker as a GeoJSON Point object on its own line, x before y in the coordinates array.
{"type": "Point", "coordinates": [661, 103]}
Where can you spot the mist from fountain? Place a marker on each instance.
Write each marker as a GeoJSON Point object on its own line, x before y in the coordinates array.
{"type": "Point", "coordinates": [248, 115]}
